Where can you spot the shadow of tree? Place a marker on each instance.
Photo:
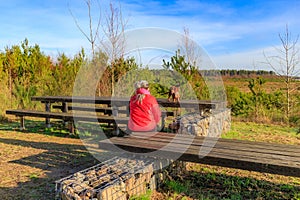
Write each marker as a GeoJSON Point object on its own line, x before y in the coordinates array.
{"type": "Point", "coordinates": [37, 126]}
{"type": "Point", "coordinates": [58, 160]}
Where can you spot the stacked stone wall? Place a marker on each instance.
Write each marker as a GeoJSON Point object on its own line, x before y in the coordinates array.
{"type": "Point", "coordinates": [211, 124]}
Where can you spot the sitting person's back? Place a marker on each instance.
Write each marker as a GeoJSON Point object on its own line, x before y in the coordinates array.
{"type": "Point", "coordinates": [144, 110]}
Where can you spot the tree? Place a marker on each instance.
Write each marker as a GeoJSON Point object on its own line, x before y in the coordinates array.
{"type": "Point", "coordinates": [118, 69]}
{"type": "Point", "coordinates": [179, 64]}
{"type": "Point", "coordinates": [285, 63]}
{"type": "Point", "coordinates": [256, 88]}
{"type": "Point", "coordinates": [92, 35]}
{"type": "Point", "coordinates": [189, 48]}
{"type": "Point", "coordinates": [112, 41]}
{"type": "Point", "coordinates": [114, 44]}
{"type": "Point", "coordinates": [25, 67]}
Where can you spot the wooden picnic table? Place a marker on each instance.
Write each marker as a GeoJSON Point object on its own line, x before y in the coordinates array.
{"type": "Point", "coordinates": [106, 105]}
{"type": "Point", "coordinates": [114, 103]}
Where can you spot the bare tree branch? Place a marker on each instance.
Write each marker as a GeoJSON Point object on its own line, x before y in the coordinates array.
{"type": "Point", "coordinates": [113, 29]}
{"type": "Point", "coordinates": [285, 64]}
{"type": "Point", "coordinates": [91, 36]}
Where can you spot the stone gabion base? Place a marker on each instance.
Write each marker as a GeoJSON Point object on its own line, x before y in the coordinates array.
{"type": "Point", "coordinates": [212, 124]}
{"type": "Point", "coordinates": [117, 178]}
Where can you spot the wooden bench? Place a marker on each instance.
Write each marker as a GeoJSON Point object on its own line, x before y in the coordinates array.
{"type": "Point", "coordinates": [108, 111]}
{"type": "Point", "coordinates": [69, 117]}
{"type": "Point", "coordinates": [111, 105]}
{"type": "Point", "coordinates": [254, 156]}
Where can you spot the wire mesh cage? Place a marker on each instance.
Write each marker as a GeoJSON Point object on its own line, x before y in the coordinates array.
{"type": "Point", "coordinates": [117, 178]}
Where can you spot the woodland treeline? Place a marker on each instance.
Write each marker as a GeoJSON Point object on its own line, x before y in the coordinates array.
{"type": "Point", "coordinates": [26, 71]}
{"type": "Point", "coordinates": [234, 72]}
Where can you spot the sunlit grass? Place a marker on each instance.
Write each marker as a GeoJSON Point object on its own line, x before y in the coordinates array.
{"type": "Point", "coordinates": [263, 132]}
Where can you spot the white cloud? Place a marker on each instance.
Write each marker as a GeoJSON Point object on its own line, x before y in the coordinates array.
{"type": "Point", "coordinates": [252, 60]}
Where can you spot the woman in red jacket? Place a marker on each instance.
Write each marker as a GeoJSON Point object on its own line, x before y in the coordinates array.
{"type": "Point", "coordinates": [144, 110]}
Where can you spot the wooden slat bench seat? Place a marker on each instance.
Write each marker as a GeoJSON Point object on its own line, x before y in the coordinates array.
{"type": "Point", "coordinates": [65, 116]}
{"type": "Point", "coordinates": [106, 111]}
{"type": "Point", "coordinates": [253, 156]}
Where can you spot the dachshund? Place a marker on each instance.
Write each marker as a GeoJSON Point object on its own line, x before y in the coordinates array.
{"type": "Point", "coordinates": [174, 95]}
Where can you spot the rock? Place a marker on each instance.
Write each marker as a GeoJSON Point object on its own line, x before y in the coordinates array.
{"type": "Point", "coordinates": [213, 124]}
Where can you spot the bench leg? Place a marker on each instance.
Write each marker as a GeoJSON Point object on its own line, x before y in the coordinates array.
{"type": "Point", "coordinates": [48, 109]}
{"type": "Point", "coordinates": [116, 131]}
{"type": "Point", "coordinates": [163, 122]}
{"type": "Point", "coordinates": [22, 123]}
{"type": "Point", "coordinates": [71, 127]}
{"type": "Point", "coordinates": [177, 112]}
{"type": "Point", "coordinates": [64, 107]}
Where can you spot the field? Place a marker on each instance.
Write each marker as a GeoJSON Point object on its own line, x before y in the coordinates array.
{"type": "Point", "coordinates": [31, 162]}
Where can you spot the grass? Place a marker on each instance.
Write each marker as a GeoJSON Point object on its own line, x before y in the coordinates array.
{"type": "Point", "coordinates": [146, 196]}
{"type": "Point", "coordinates": [212, 182]}
{"type": "Point", "coordinates": [263, 132]}
{"type": "Point", "coordinates": [208, 182]}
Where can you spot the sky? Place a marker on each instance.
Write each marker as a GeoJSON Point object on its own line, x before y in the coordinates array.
{"type": "Point", "coordinates": [235, 34]}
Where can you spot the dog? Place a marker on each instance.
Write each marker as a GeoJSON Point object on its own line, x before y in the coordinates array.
{"type": "Point", "coordinates": [174, 95]}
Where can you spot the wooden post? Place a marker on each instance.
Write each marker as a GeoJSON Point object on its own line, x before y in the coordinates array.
{"type": "Point", "coordinates": [22, 123]}
{"type": "Point", "coordinates": [128, 110]}
{"type": "Point", "coordinates": [115, 113]}
{"type": "Point", "coordinates": [48, 109]}
{"type": "Point", "coordinates": [72, 127]}
{"type": "Point", "coordinates": [163, 116]}
{"type": "Point", "coordinates": [64, 107]}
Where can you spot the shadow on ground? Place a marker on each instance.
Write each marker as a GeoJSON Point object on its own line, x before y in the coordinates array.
{"type": "Point", "coordinates": [60, 160]}
{"type": "Point", "coordinates": [57, 160]}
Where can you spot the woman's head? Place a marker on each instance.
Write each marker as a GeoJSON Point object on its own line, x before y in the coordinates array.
{"type": "Point", "coordinates": [144, 84]}
{"type": "Point", "coordinates": [141, 89]}
{"type": "Point", "coordinates": [137, 85]}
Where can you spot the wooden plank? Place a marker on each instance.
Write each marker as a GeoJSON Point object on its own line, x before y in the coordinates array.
{"type": "Point", "coordinates": [224, 142]}
{"type": "Point", "coordinates": [215, 159]}
{"type": "Point", "coordinates": [258, 160]}
{"type": "Point", "coordinates": [82, 99]}
{"type": "Point", "coordinates": [252, 153]}
{"type": "Point", "coordinates": [233, 153]}
{"type": "Point", "coordinates": [89, 109]}
{"type": "Point", "coordinates": [234, 145]}
{"type": "Point", "coordinates": [68, 116]}
{"type": "Point", "coordinates": [103, 110]}
{"type": "Point", "coordinates": [189, 152]}
{"type": "Point", "coordinates": [118, 101]}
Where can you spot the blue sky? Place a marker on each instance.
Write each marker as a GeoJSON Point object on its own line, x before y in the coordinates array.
{"type": "Point", "coordinates": [233, 33]}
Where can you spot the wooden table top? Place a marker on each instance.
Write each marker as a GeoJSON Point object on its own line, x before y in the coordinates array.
{"type": "Point", "coordinates": [118, 101]}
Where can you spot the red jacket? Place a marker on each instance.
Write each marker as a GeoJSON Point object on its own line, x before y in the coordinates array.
{"type": "Point", "coordinates": [144, 116]}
